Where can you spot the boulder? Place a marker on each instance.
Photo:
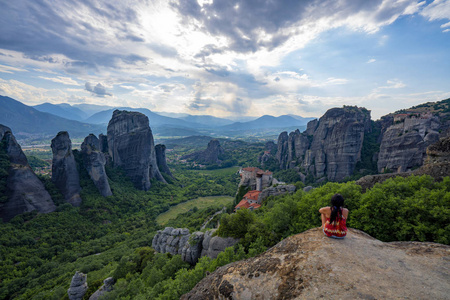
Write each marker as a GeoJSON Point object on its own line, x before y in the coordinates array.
{"type": "Point", "coordinates": [108, 285]}
{"type": "Point", "coordinates": [218, 244]}
{"type": "Point", "coordinates": [78, 286]}
{"type": "Point", "coordinates": [276, 191]}
{"type": "Point", "coordinates": [131, 147]}
{"type": "Point", "coordinates": [64, 169]}
{"type": "Point", "coordinates": [192, 249]}
{"type": "Point", "coordinates": [24, 191]}
{"type": "Point", "coordinates": [94, 162]}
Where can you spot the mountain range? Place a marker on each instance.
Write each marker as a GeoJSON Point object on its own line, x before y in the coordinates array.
{"type": "Point", "coordinates": [46, 119]}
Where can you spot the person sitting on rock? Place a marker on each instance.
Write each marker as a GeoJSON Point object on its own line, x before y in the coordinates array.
{"type": "Point", "coordinates": [334, 218]}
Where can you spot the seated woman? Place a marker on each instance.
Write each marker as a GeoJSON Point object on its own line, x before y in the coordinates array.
{"type": "Point", "coordinates": [334, 218]}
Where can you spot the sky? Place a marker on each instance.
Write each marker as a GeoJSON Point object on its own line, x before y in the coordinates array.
{"type": "Point", "coordinates": [227, 58]}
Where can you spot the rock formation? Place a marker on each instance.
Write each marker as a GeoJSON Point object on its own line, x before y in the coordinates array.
{"type": "Point", "coordinates": [329, 147]}
{"type": "Point", "coordinates": [404, 143]}
{"type": "Point", "coordinates": [209, 156]}
{"type": "Point", "coordinates": [94, 162]}
{"type": "Point", "coordinates": [78, 286]}
{"type": "Point", "coordinates": [190, 246]}
{"type": "Point", "coordinates": [276, 191]}
{"type": "Point", "coordinates": [161, 159]}
{"type": "Point", "coordinates": [131, 147]}
{"type": "Point", "coordinates": [108, 285]}
{"type": "Point", "coordinates": [64, 169]}
{"type": "Point", "coordinates": [436, 164]}
{"type": "Point", "coordinates": [312, 266]}
{"type": "Point", "coordinates": [255, 178]}
{"type": "Point", "coordinates": [24, 191]}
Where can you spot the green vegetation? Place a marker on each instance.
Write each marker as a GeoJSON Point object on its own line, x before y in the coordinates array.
{"type": "Point", "coordinates": [199, 203]}
{"type": "Point", "coordinates": [37, 163]}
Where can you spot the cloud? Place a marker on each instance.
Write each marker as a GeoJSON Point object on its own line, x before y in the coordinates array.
{"type": "Point", "coordinates": [99, 90]}
{"type": "Point", "coordinates": [372, 60]}
{"type": "Point", "coordinates": [437, 10]}
{"type": "Point", "coordinates": [10, 70]}
{"type": "Point", "coordinates": [393, 84]}
{"type": "Point", "coordinates": [61, 79]}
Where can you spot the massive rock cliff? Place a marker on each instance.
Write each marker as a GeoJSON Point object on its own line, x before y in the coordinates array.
{"type": "Point", "coordinates": [131, 147]}
{"type": "Point", "coordinates": [405, 141]}
{"type": "Point", "coordinates": [94, 161]}
{"type": "Point", "coordinates": [209, 156]}
{"type": "Point", "coordinates": [190, 246]}
{"type": "Point", "coordinates": [64, 169]}
{"type": "Point", "coordinates": [161, 159]}
{"type": "Point", "coordinates": [329, 147]}
{"type": "Point", "coordinates": [24, 191]}
{"type": "Point", "coordinates": [312, 266]}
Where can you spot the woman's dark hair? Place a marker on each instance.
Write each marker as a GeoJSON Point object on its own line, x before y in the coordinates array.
{"type": "Point", "coordinates": [337, 203]}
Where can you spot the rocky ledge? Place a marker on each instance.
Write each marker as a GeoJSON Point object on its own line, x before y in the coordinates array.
{"type": "Point", "coordinates": [312, 266]}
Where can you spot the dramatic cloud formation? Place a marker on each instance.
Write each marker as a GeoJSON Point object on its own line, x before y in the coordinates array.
{"type": "Point", "coordinates": [227, 58]}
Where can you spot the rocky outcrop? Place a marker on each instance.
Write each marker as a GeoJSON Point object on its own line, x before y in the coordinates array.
{"type": "Point", "coordinates": [276, 191]}
{"type": "Point", "coordinates": [404, 142]}
{"type": "Point", "coordinates": [436, 164]}
{"type": "Point", "coordinates": [131, 147]}
{"type": "Point", "coordinates": [161, 159]}
{"type": "Point", "coordinates": [311, 266]}
{"type": "Point", "coordinates": [103, 141]}
{"type": "Point", "coordinates": [190, 246]}
{"type": "Point", "coordinates": [329, 147]}
{"type": "Point", "coordinates": [64, 169]}
{"type": "Point", "coordinates": [108, 285]}
{"type": "Point", "coordinates": [24, 191]}
{"type": "Point", "coordinates": [209, 156]}
{"type": "Point", "coordinates": [94, 161]}
{"type": "Point", "coordinates": [78, 286]}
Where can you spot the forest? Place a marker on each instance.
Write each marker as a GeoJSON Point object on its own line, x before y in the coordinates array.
{"type": "Point", "coordinates": [112, 236]}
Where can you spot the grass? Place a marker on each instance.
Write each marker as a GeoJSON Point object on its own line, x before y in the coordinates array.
{"type": "Point", "coordinates": [201, 202]}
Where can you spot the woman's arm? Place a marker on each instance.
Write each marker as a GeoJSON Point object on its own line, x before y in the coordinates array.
{"type": "Point", "coordinates": [323, 214]}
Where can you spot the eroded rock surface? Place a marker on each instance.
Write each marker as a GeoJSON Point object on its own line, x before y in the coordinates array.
{"type": "Point", "coordinates": [108, 285]}
{"type": "Point", "coordinates": [329, 147]}
{"type": "Point", "coordinates": [94, 161]}
{"type": "Point", "coordinates": [209, 156]}
{"type": "Point", "coordinates": [161, 159]}
{"type": "Point", "coordinates": [64, 169]}
{"type": "Point", "coordinates": [312, 266]}
{"type": "Point", "coordinates": [276, 191]}
{"type": "Point", "coordinates": [24, 191]}
{"type": "Point", "coordinates": [78, 286]}
{"type": "Point", "coordinates": [131, 147]}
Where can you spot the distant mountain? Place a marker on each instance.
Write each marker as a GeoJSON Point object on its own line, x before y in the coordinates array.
{"type": "Point", "coordinates": [27, 122]}
{"type": "Point", "coordinates": [91, 109]}
{"type": "Point", "coordinates": [267, 121]}
{"type": "Point", "coordinates": [300, 118]}
{"type": "Point", "coordinates": [155, 120]}
{"type": "Point", "coordinates": [62, 110]}
{"type": "Point", "coordinates": [207, 120]}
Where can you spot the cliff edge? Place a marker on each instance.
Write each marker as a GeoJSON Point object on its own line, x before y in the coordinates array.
{"type": "Point", "coordinates": [312, 266]}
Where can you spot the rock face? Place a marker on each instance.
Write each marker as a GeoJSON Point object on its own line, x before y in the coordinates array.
{"type": "Point", "coordinates": [94, 161]}
{"type": "Point", "coordinates": [209, 156]}
{"type": "Point", "coordinates": [131, 147]}
{"type": "Point", "coordinates": [107, 286]}
{"type": "Point", "coordinates": [276, 191]}
{"type": "Point", "coordinates": [24, 191]}
{"type": "Point", "coordinates": [64, 169]}
{"type": "Point", "coordinates": [161, 159]}
{"type": "Point", "coordinates": [312, 266]}
{"type": "Point", "coordinates": [329, 147]}
{"type": "Point", "coordinates": [190, 246]}
{"type": "Point", "coordinates": [78, 286]}
{"type": "Point", "coordinates": [404, 143]}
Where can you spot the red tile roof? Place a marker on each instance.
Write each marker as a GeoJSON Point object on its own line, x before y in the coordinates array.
{"type": "Point", "coordinates": [251, 169]}
{"type": "Point", "coordinates": [252, 195]}
{"type": "Point", "coordinates": [244, 204]}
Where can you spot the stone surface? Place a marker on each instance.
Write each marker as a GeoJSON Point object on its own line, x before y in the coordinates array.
{"type": "Point", "coordinates": [25, 192]}
{"type": "Point", "coordinates": [218, 244]}
{"type": "Point", "coordinates": [192, 249]}
{"type": "Point", "coordinates": [94, 161]}
{"type": "Point", "coordinates": [131, 147]}
{"type": "Point", "coordinates": [403, 145]}
{"type": "Point", "coordinates": [209, 156]}
{"type": "Point", "coordinates": [276, 191]}
{"type": "Point", "coordinates": [108, 285]}
{"type": "Point", "coordinates": [78, 286]}
{"type": "Point", "coordinates": [311, 266]}
{"type": "Point", "coordinates": [64, 169]}
{"type": "Point", "coordinates": [161, 159]}
{"type": "Point", "coordinates": [331, 146]}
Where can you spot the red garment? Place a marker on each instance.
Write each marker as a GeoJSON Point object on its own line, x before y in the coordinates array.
{"type": "Point", "coordinates": [336, 229]}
